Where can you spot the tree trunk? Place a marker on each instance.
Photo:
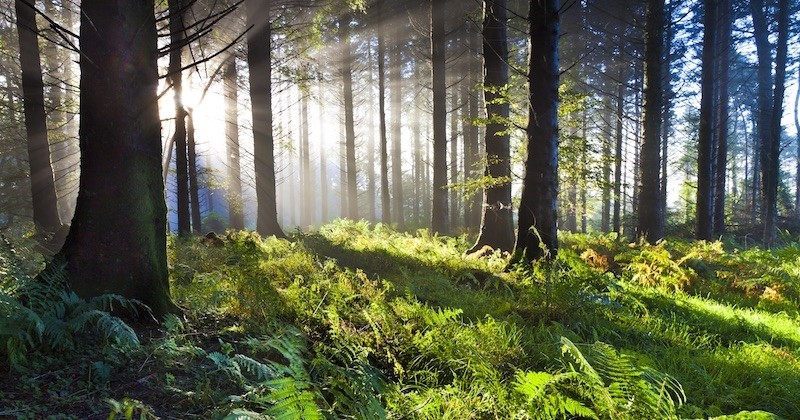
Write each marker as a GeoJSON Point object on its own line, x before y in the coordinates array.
{"type": "Point", "coordinates": [396, 80]}
{"type": "Point", "coordinates": [666, 113]}
{"type": "Point", "coordinates": [618, 135]}
{"type": "Point", "coordinates": [797, 141]}
{"type": "Point", "coordinates": [349, 123]}
{"type": "Point", "coordinates": [723, 39]}
{"type": "Point", "coordinates": [453, 158]}
{"type": "Point", "coordinates": [651, 219]}
{"type": "Point", "coordinates": [537, 235]}
{"type": "Point", "coordinates": [371, 187]}
{"type": "Point", "coordinates": [439, 205]}
{"type": "Point", "coordinates": [176, 26]}
{"type": "Point", "coordinates": [259, 61]}
{"type": "Point", "coordinates": [43, 187]}
{"type": "Point", "coordinates": [386, 211]}
{"type": "Point", "coordinates": [705, 144]}
{"type": "Point", "coordinates": [772, 148]}
{"type": "Point", "coordinates": [419, 188]}
{"type": "Point", "coordinates": [473, 142]}
{"type": "Point", "coordinates": [231, 93]}
{"type": "Point", "coordinates": [194, 185]}
{"type": "Point", "coordinates": [605, 217]}
{"type": "Point", "coordinates": [497, 226]}
{"type": "Point", "coordinates": [324, 178]}
{"type": "Point", "coordinates": [306, 206]}
{"type": "Point", "coordinates": [117, 241]}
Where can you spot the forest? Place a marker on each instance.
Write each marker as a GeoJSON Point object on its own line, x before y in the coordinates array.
{"type": "Point", "coordinates": [376, 209]}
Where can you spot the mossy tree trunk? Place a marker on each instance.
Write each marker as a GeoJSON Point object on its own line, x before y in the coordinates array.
{"type": "Point", "coordinates": [117, 241]}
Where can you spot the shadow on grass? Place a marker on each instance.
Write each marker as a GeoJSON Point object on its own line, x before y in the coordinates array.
{"type": "Point", "coordinates": [477, 292]}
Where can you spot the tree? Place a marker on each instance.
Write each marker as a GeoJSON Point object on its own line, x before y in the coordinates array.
{"type": "Point", "coordinates": [259, 61]}
{"type": "Point", "coordinates": [120, 160]}
{"type": "Point", "coordinates": [385, 203]}
{"type": "Point", "coordinates": [231, 88]}
{"type": "Point", "coordinates": [176, 9]}
{"type": "Point", "coordinates": [537, 234]}
{"type": "Point", "coordinates": [705, 155]}
{"type": "Point", "coordinates": [723, 38]}
{"type": "Point", "coordinates": [349, 123]}
{"type": "Point", "coordinates": [43, 187]}
{"type": "Point", "coordinates": [497, 228]}
{"type": "Point", "coordinates": [650, 212]}
{"type": "Point", "coordinates": [439, 215]}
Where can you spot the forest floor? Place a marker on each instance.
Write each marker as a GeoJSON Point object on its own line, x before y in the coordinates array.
{"type": "Point", "coordinates": [359, 321]}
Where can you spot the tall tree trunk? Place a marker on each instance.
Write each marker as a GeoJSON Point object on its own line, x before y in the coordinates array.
{"type": "Point", "coordinates": [605, 217]}
{"type": "Point", "coordinates": [666, 113]}
{"type": "Point", "coordinates": [386, 211]}
{"type": "Point", "coordinates": [538, 215]}
{"type": "Point", "coordinates": [231, 93]}
{"type": "Point", "coordinates": [43, 187]}
{"type": "Point", "coordinates": [705, 144]}
{"type": "Point", "coordinates": [764, 81]}
{"type": "Point", "coordinates": [349, 123]}
{"type": "Point", "coordinates": [453, 158]}
{"type": "Point", "coordinates": [619, 138]}
{"type": "Point", "coordinates": [396, 80]}
{"type": "Point", "coordinates": [439, 215]}
{"type": "Point", "coordinates": [497, 226]}
{"type": "Point", "coordinates": [259, 61]}
{"type": "Point", "coordinates": [117, 242]}
{"type": "Point", "coordinates": [371, 187]}
{"type": "Point", "coordinates": [176, 29]}
{"type": "Point", "coordinates": [194, 185]}
{"type": "Point", "coordinates": [797, 141]}
{"type": "Point", "coordinates": [651, 219]}
{"type": "Point", "coordinates": [419, 188]}
{"type": "Point", "coordinates": [324, 178]}
{"type": "Point", "coordinates": [472, 144]}
{"type": "Point", "coordinates": [772, 149]}
{"type": "Point", "coordinates": [306, 206]}
{"type": "Point", "coordinates": [724, 17]}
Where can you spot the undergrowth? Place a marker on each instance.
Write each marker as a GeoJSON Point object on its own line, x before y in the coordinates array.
{"type": "Point", "coordinates": [360, 321]}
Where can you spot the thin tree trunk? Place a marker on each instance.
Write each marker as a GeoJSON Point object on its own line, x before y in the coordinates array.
{"type": "Point", "coordinates": [176, 29]}
{"type": "Point", "coordinates": [396, 80]}
{"type": "Point", "coordinates": [418, 163]}
{"type": "Point", "coordinates": [231, 92]}
{"type": "Point", "coordinates": [43, 187]}
{"type": "Point", "coordinates": [194, 185]}
{"type": "Point", "coordinates": [371, 187]}
{"type": "Point", "coordinates": [306, 209]}
{"type": "Point", "coordinates": [472, 155]}
{"type": "Point", "coordinates": [537, 235]}
{"type": "Point", "coordinates": [453, 159]}
{"type": "Point", "coordinates": [619, 138]}
{"type": "Point", "coordinates": [605, 218]}
{"type": "Point", "coordinates": [349, 123]}
{"type": "Point", "coordinates": [259, 61]}
{"type": "Point", "coordinates": [797, 141]}
{"type": "Point", "coordinates": [439, 214]}
{"type": "Point", "coordinates": [385, 209]}
{"type": "Point", "coordinates": [324, 179]}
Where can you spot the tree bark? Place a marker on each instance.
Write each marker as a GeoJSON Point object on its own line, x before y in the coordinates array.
{"type": "Point", "coordinates": [724, 17]}
{"type": "Point", "coordinates": [537, 235]}
{"type": "Point", "coordinates": [43, 187]}
{"type": "Point", "coordinates": [194, 184]}
{"type": "Point", "coordinates": [349, 123]}
{"type": "Point", "coordinates": [176, 27]}
{"type": "Point", "coordinates": [396, 80]}
{"type": "Point", "coordinates": [120, 160]}
{"type": "Point", "coordinates": [651, 219]}
{"type": "Point", "coordinates": [705, 144]}
{"type": "Point", "coordinates": [371, 184]}
{"type": "Point", "coordinates": [772, 148]}
{"type": "Point", "coordinates": [306, 206]}
{"type": "Point", "coordinates": [386, 211]}
{"type": "Point", "coordinates": [497, 226]}
{"type": "Point", "coordinates": [324, 178]}
{"type": "Point", "coordinates": [259, 61]}
{"type": "Point", "coordinates": [439, 205]}
{"type": "Point", "coordinates": [231, 92]}
{"type": "Point", "coordinates": [618, 136]}
{"type": "Point", "coordinates": [453, 158]}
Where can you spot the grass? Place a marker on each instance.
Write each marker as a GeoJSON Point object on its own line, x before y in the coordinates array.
{"type": "Point", "coordinates": [360, 321]}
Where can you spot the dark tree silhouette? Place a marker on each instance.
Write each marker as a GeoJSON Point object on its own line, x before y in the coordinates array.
{"type": "Point", "coordinates": [439, 214]}
{"type": "Point", "coordinates": [537, 234]}
{"type": "Point", "coordinates": [117, 241]}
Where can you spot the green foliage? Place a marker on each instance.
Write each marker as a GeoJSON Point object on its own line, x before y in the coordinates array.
{"type": "Point", "coordinates": [43, 311]}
